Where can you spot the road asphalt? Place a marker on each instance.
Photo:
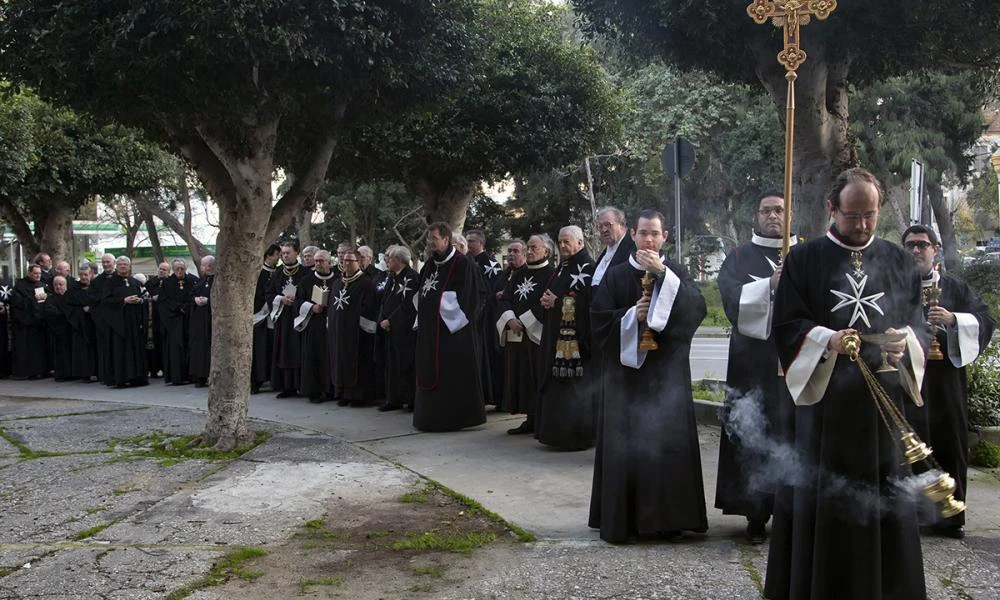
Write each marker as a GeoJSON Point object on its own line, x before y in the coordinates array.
{"type": "Point", "coordinates": [77, 525]}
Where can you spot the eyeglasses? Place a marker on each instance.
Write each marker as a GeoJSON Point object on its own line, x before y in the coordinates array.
{"type": "Point", "coordinates": [777, 210]}
{"type": "Point", "coordinates": [917, 244]}
{"type": "Point", "coordinates": [858, 217]}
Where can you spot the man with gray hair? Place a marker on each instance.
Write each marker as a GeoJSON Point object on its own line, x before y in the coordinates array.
{"type": "Point", "coordinates": [612, 228]}
{"type": "Point", "coordinates": [174, 305]}
{"type": "Point", "coordinates": [395, 320]}
{"type": "Point", "coordinates": [200, 322]}
{"type": "Point", "coordinates": [567, 403]}
{"type": "Point", "coordinates": [309, 257]}
{"type": "Point", "coordinates": [311, 301]}
{"type": "Point", "coordinates": [380, 279]}
{"type": "Point", "coordinates": [99, 312]}
{"type": "Point", "coordinates": [127, 330]}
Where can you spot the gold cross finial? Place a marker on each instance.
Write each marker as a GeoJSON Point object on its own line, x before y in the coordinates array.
{"type": "Point", "coordinates": [790, 14]}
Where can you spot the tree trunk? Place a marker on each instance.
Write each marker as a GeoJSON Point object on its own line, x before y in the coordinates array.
{"type": "Point", "coordinates": [241, 187]}
{"type": "Point", "coordinates": [21, 229]}
{"type": "Point", "coordinates": [195, 247]}
{"type": "Point", "coordinates": [303, 224]}
{"type": "Point", "coordinates": [822, 146]}
{"type": "Point", "coordinates": [56, 229]}
{"type": "Point", "coordinates": [154, 236]}
{"type": "Point", "coordinates": [898, 197]}
{"type": "Point", "coordinates": [946, 227]}
{"type": "Point", "coordinates": [449, 203]}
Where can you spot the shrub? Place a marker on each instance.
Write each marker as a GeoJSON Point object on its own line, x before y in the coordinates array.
{"type": "Point", "coordinates": [984, 388]}
{"type": "Point", "coordinates": [986, 454]}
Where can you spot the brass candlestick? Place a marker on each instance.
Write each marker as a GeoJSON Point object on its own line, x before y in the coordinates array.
{"type": "Point", "coordinates": [932, 295]}
{"type": "Point", "coordinates": [646, 342]}
{"type": "Point", "coordinates": [941, 490]}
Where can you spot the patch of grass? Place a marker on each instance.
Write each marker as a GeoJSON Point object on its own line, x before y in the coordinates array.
{"type": "Point", "coordinates": [305, 584]}
{"type": "Point", "coordinates": [376, 534]}
{"type": "Point", "coordinates": [475, 508]}
{"type": "Point", "coordinates": [414, 497]}
{"type": "Point", "coordinates": [5, 571]}
{"type": "Point", "coordinates": [29, 454]}
{"type": "Point", "coordinates": [92, 531]}
{"type": "Point", "coordinates": [227, 567]}
{"type": "Point", "coordinates": [435, 572]}
{"type": "Point", "coordinates": [75, 414]}
{"type": "Point", "coordinates": [172, 449]}
{"type": "Point", "coordinates": [431, 540]}
{"type": "Point", "coordinates": [313, 524]}
{"type": "Point", "coordinates": [422, 587]}
{"type": "Point", "coordinates": [121, 491]}
{"type": "Point", "coordinates": [747, 554]}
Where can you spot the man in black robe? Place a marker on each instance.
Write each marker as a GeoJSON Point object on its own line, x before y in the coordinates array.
{"type": "Point", "coordinates": [647, 468]}
{"type": "Point", "coordinates": [44, 262]}
{"type": "Point", "coordinates": [618, 245]}
{"type": "Point", "coordinates": [311, 301]}
{"type": "Point", "coordinates": [287, 349]}
{"type": "Point", "coordinates": [174, 305]}
{"type": "Point", "coordinates": [83, 342]}
{"type": "Point", "coordinates": [6, 288]}
{"type": "Point", "coordinates": [566, 417]}
{"type": "Point", "coordinates": [491, 370]}
{"type": "Point", "coordinates": [963, 327]}
{"type": "Point", "coordinates": [200, 322]}
{"type": "Point", "coordinates": [27, 316]}
{"type": "Point", "coordinates": [263, 327]}
{"type": "Point", "coordinates": [520, 328]}
{"type": "Point", "coordinates": [450, 295]}
{"type": "Point", "coordinates": [396, 323]}
{"type": "Point", "coordinates": [381, 279]}
{"type": "Point", "coordinates": [154, 355]}
{"type": "Point", "coordinates": [845, 526]}
{"type": "Point", "coordinates": [351, 329]}
{"type": "Point", "coordinates": [98, 312]}
{"type": "Point", "coordinates": [126, 312]}
{"type": "Point", "coordinates": [58, 329]}
{"type": "Point", "coordinates": [756, 404]}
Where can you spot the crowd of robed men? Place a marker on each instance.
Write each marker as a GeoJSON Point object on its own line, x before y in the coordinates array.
{"type": "Point", "coordinates": [566, 342]}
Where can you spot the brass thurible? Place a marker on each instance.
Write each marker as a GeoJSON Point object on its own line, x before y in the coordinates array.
{"type": "Point", "coordinates": [646, 342]}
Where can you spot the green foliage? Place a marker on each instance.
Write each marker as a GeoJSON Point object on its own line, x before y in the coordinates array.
{"type": "Point", "coordinates": [159, 444]}
{"type": "Point", "coordinates": [414, 497]}
{"type": "Point", "coordinates": [305, 585]}
{"type": "Point", "coordinates": [366, 213]}
{"type": "Point", "coordinates": [227, 567]}
{"type": "Point", "coordinates": [984, 388]}
{"type": "Point", "coordinates": [881, 38]}
{"type": "Point", "coordinates": [536, 101]}
{"type": "Point", "coordinates": [984, 279]}
{"type": "Point", "coordinates": [431, 540]}
{"type": "Point", "coordinates": [716, 316]}
{"type": "Point", "coordinates": [985, 454]}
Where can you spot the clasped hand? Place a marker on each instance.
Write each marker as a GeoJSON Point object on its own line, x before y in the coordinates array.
{"type": "Point", "coordinates": [940, 315]}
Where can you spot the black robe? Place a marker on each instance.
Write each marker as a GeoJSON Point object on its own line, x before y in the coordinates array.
{"type": "Point", "coordinates": [567, 407]}
{"type": "Point", "coordinates": [647, 468]}
{"type": "Point", "coordinates": [399, 342]}
{"type": "Point", "coordinates": [263, 330]}
{"type": "Point", "coordinates": [127, 333]}
{"type": "Point", "coordinates": [380, 279]}
{"type": "Point", "coordinates": [755, 403]}
{"type": "Point", "coordinates": [200, 336]}
{"type": "Point", "coordinates": [842, 528]}
{"type": "Point", "coordinates": [84, 343]}
{"type": "Point", "coordinates": [174, 306]}
{"type": "Point", "coordinates": [29, 341]}
{"type": "Point", "coordinates": [314, 378]}
{"type": "Point", "coordinates": [287, 350]}
{"type": "Point", "coordinates": [351, 324]}
{"type": "Point", "coordinates": [6, 288]}
{"type": "Point", "coordinates": [98, 312]}
{"type": "Point", "coordinates": [60, 335]}
{"type": "Point", "coordinates": [491, 361]}
{"type": "Point", "coordinates": [520, 300]}
{"type": "Point", "coordinates": [943, 421]}
{"type": "Point", "coordinates": [449, 393]}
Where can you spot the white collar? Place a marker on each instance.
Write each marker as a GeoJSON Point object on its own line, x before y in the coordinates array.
{"type": "Point", "coordinates": [613, 248]}
{"type": "Point", "coordinates": [833, 238]}
{"type": "Point", "coordinates": [934, 278]}
{"type": "Point", "coordinates": [540, 265]}
{"type": "Point", "coordinates": [267, 268]}
{"type": "Point", "coordinates": [447, 258]}
{"type": "Point", "coordinates": [759, 240]}
{"type": "Point", "coordinates": [323, 277]}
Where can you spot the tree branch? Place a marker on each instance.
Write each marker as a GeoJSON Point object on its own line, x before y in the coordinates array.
{"type": "Point", "coordinates": [198, 249]}
{"type": "Point", "coordinates": [302, 187]}
{"type": "Point", "coordinates": [20, 226]}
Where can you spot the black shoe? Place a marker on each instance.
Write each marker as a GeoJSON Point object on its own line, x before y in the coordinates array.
{"type": "Point", "coordinates": [317, 399]}
{"type": "Point", "coordinates": [525, 427]}
{"type": "Point", "coordinates": [343, 402]}
{"type": "Point", "coordinates": [756, 532]}
{"type": "Point", "coordinates": [254, 388]}
{"type": "Point", "coordinates": [387, 407]}
{"type": "Point", "coordinates": [956, 532]}
{"type": "Point", "coordinates": [285, 394]}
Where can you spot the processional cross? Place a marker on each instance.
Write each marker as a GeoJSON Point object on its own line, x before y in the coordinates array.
{"type": "Point", "coordinates": [790, 14]}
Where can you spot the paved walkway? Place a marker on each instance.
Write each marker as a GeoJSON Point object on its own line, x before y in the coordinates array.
{"type": "Point", "coordinates": [328, 450]}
